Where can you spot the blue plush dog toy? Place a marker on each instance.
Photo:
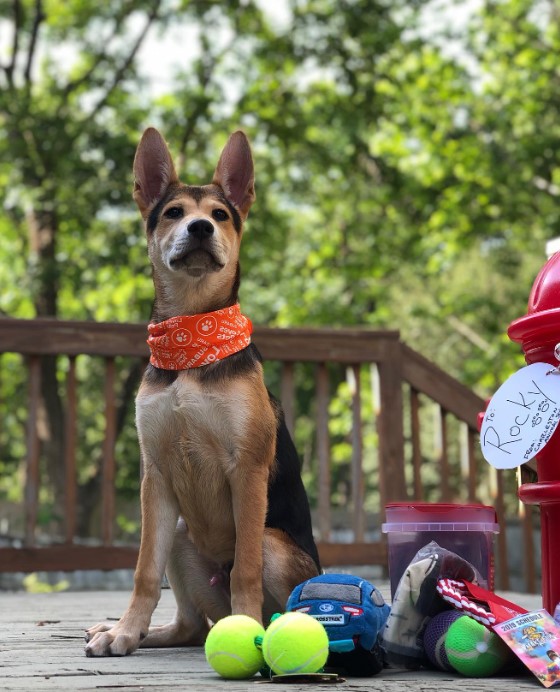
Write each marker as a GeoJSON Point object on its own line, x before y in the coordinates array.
{"type": "Point", "coordinates": [353, 612]}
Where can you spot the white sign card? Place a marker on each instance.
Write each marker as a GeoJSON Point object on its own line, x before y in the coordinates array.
{"type": "Point", "coordinates": [521, 416]}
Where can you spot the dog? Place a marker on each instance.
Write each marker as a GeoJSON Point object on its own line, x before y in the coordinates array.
{"type": "Point", "coordinates": [224, 510]}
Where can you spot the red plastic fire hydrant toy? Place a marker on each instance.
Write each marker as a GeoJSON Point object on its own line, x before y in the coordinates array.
{"type": "Point", "coordinates": [538, 332]}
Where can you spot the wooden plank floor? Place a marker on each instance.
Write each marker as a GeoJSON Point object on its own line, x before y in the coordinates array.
{"type": "Point", "coordinates": [42, 648]}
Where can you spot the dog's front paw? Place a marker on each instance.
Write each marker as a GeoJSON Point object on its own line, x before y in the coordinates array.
{"type": "Point", "coordinates": [101, 627]}
{"type": "Point", "coordinates": [115, 641]}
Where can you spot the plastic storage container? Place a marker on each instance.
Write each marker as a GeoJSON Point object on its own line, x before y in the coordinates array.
{"type": "Point", "coordinates": [467, 530]}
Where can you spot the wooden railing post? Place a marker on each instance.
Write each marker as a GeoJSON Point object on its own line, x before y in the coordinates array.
{"type": "Point", "coordinates": [415, 441]}
{"type": "Point", "coordinates": [287, 395]}
{"type": "Point", "coordinates": [70, 493]}
{"type": "Point", "coordinates": [442, 442]}
{"type": "Point", "coordinates": [358, 520]}
{"type": "Point", "coordinates": [108, 472]}
{"type": "Point", "coordinates": [33, 451]}
{"type": "Point", "coordinates": [323, 452]}
{"type": "Point", "coordinates": [390, 426]}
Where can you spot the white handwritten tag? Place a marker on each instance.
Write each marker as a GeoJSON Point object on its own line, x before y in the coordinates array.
{"type": "Point", "coordinates": [521, 416]}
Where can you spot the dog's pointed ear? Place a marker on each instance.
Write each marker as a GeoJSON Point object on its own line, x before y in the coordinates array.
{"type": "Point", "coordinates": [235, 173]}
{"type": "Point", "coordinates": [153, 170]}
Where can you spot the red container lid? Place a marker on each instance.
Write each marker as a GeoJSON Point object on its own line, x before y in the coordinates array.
{"type": "Point", "coordinates": [429, 512]}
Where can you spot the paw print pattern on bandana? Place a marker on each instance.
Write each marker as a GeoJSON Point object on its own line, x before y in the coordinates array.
{"type": "Point", "coordinates": [184, 342]}
{"type": "Point", "coordinates": [206, 326]}
{"type": "Point", "coordinates": [181, 337]}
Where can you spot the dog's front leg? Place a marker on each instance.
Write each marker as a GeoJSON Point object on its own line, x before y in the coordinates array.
{"type": "Point", "coordinates": [249, 494]}
{"type": "Point", "coordinates": [159, 518]}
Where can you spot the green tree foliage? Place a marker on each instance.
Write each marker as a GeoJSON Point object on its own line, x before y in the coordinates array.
{"type": "Point", "coordinates": [63, 153]}
{"type": "Point", "coordinates": [397, 186]}
{"type": "Point", "coordinates": [485, 150]}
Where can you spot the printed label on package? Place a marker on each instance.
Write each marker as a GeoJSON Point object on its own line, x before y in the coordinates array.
{"type": "Point", "coordinates": [535, 639]}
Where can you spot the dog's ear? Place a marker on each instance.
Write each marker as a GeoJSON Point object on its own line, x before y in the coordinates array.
{"type": "Point", "coordinates": [153, 170]}
{"type": "Point", "coordinates": [235, 174]}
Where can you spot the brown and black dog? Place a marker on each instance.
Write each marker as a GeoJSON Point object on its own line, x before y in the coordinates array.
{"type": "Point", "coordinates": [224, 510]}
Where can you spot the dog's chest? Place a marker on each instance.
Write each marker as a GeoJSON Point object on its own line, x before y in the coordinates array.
{"type": "Point", "coordinates": [214, 421]}
{"type": "Point", "coordinates": [193, 434]}
{"type": "Point", "coordinates": [193, 420]}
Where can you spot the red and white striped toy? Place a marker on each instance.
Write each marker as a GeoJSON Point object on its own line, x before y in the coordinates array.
{"type": "Point", "coordinates": [482, 605]}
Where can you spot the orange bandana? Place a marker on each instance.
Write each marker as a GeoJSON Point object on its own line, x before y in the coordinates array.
{"type": "Point", "coordinates": [184, 342]}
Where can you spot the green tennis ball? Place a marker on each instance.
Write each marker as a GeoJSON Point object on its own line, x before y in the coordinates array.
{"type": "Point", "coordinates": [230, 647]}
{"type": "Point", "coordinates": [473, 650]}
{"type": "Point", "coordinates": [295, 643]}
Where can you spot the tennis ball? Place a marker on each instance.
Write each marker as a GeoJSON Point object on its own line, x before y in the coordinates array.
{"type": "Point", "coordinates": [230, 647]}
{"type": "Point", "coordinates": [473, 650]}
{"type": "Point", "coordinates": [295, 643]}
{"type": "Point", "coordinates": [434, 638]}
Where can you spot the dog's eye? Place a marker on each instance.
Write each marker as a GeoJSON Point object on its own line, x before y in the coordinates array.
{"type": "Point", "coordinates": [220, 215]}
{"type": "Point", "coordinates": [173, 213]}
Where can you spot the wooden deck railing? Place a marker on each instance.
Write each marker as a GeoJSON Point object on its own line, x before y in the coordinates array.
{"type": "Point", "coordinates": [423, 424]}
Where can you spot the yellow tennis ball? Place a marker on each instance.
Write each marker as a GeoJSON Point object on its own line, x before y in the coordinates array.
{"type": "Point", "coordinates": [230, 647]}
{"type": "Point", "coordinates": [295, 643]}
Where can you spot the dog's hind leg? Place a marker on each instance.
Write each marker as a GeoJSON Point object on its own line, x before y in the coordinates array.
{"type": "Point", "coordinates": [191, 577]}
{"type": "Point", "coordinates": [285, 566]}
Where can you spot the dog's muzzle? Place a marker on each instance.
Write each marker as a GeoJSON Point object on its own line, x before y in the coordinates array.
{"type": "Point", "coordinates": [194, 250]}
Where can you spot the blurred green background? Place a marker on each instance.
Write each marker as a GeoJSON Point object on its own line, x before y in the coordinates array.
{"type": "Point", "coordinates": [407, 172]}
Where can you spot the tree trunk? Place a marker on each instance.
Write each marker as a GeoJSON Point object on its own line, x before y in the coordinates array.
{"type": "Point", "coordinates": [42, 224]}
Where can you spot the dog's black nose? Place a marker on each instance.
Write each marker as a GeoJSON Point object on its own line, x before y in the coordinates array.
{"type": "Point", "coordinates": [200, 228]}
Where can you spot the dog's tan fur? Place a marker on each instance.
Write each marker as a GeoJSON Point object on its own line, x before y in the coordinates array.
{"type": "Point", "coordinates": [208, 447]}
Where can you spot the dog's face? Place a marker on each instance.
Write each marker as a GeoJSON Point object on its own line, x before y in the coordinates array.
{"type": "Point", "coordinates": [194, 232]}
